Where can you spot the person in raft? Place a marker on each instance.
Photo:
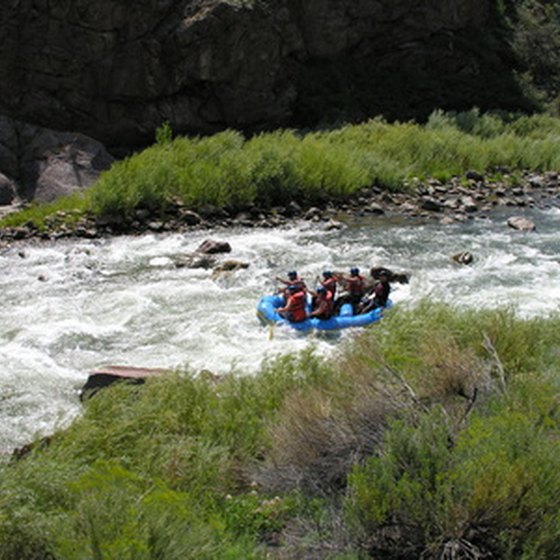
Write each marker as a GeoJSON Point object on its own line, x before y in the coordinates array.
{"type": "Point", "coordinates": [293, 280]}
{"type": "Point", "coordinates": [294, 310]}
{"type": "Point", "coordinates": [355, 287]}
{"type": "Point", "coordinates": [378, 295]}
{"type": "Point", "coordinates": [324, 304]}
{"type": "Point", "coordinates": [329, 283]}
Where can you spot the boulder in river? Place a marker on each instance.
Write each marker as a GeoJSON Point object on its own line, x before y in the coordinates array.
{"type": "Point", "coordinates": [521, 224]}
{"type": "Point", "coordinates": [464, 257]}
{"type": "Point", "coordinates": [210, 247]}
{"type": "Point", "coordinates": [399, 277]}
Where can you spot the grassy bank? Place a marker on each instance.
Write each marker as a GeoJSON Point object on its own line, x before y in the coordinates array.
{"type": "Point", "coordinates": [434, 433]}
{"type": "Point", "coordinates": [272, 169]}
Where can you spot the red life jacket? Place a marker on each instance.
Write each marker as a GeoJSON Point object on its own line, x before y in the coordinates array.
{"type": "Point", "coordinates": [296, 306]}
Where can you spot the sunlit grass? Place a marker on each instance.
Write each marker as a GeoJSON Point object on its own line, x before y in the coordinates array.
{"type": "Point", "coordinates": [227, 170]}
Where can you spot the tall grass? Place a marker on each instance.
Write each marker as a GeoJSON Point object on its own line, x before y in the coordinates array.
{"type": "Point", "coordinates": [275, 168]}
{"type": "Point", "coordinates": [272, 169]}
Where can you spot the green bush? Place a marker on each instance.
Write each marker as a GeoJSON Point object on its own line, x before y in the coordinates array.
{"type": "Point", "coordinates": [272, 169]}
{"type": "Point", "coordinates": [394, 456]}
{"type": "Point", "coordinates": [489, 488]}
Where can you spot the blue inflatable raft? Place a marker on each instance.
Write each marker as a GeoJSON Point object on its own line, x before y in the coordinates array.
{"type": "Point", "coordinates": [268, 314]}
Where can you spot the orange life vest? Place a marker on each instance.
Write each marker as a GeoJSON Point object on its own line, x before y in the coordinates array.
{"type": "Point", "coordinates": [296, 307]}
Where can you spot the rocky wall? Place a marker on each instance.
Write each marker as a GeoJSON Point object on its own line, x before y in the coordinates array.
{"type": "Point", "coordinates": [115, 69]}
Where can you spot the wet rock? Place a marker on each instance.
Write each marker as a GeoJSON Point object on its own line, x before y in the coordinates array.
{"type": "Point", "coordinates": [231, 266]}
{"type": "Point", "coordinates": [408, 208]}
{"type": "Point", "coordinates": [474, 176]}
{"type": "Point", "coordinates": [431, 204]}
{"type": "Point", "coordinates": [87, 233]}
{"type": "Point", "coordinates": [521, 224]}
{"type": "Point", "coordinates": [142, 214]}
{"type": "Point", "coordinates": [399, 277]}
{"type": "Point", "coordinates": [195, 260]}
{"type": "Point", "coordinates": [333, 224]}
{"type": "Point", "coordinates": [464, 257]}
{"type": "Point", "coordinates": [452, 203]}
{"type": "Point", "coordinates": [190, 218]}
{"type": "Point", "coordinates": [375, 208]}
{"type": "Point", "coordinates": [243, 217]}
{"type": "Point", "coordinates": [293, 209]}
{"type": "Point", "coordinates": [155, 226]}
{"type": "Point", "coordinates": [106, 376]}
{"type": "Point", "coordinates": [110, 221]}
{"type": "Point", "coordinates": [537, 182]}
{"type": "Point", "coordinates": [210, 247]}
{"type": "Point", "coordinates": [447, 220]}
{"type": "Point", "coordinates": [468, 204]}
{"type": "Point", "coordinates": [313, 213]}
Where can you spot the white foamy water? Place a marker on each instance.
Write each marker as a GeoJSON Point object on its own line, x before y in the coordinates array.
{"type": "Point", "coordinates": [72, 307]}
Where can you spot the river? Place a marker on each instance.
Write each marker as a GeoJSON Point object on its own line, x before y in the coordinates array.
{"type": "Point", "coordinates": [71, 307]}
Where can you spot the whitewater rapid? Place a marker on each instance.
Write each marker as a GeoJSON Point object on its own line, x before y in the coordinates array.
{"type": "Point", "coordinates": [71, 307]}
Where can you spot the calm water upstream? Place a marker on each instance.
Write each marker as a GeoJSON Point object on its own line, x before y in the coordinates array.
{"type": "Point", "coordinates": [122, 301]}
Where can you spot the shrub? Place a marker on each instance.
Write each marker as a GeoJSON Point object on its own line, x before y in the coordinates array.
{"type": "Point", "coordinates": [392, 461]}
{"type": "Point", "coordinates": [490, 491]}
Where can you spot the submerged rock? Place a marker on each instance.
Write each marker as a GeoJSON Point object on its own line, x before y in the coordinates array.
{"type": "Point", "coordinates": [464, 257]}
{"type": "Point", "coordinates": [195, 260]}
{"type": "Point", "coordinates": [231, 266]}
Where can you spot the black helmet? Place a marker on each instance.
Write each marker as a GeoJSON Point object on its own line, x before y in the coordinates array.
{"type": "Point", "coordinates": [292, 274]}
{"type": "Point", "coordinates": [327, 273]}
{"type": "Point", "coordinates": [354, 270]}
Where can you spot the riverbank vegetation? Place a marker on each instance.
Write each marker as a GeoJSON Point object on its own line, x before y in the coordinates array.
{"type": "Point", "coordinates": [433, 434]}
{"type": "Point", "coordinates": [272, 169]}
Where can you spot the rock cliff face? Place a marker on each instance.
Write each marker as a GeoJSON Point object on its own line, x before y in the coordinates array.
{"type": "Point", "coordinates": [116, 69]}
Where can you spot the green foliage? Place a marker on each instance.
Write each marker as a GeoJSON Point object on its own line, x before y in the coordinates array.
{"type": "Point", "coordinates": [392, 459]}
{"type": "Point", "coordinates": [164, 134]}
{"type": "Point", "coordinates": [65, 210]}
{"type": "Point", "coordinates": [536, 41]}
{"type": "Point", "coordinates": [406, 481]}
{"type": "Point", "coordinates": [501, 472]}
{"type": "Point", "coordinates": [272, 169]}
